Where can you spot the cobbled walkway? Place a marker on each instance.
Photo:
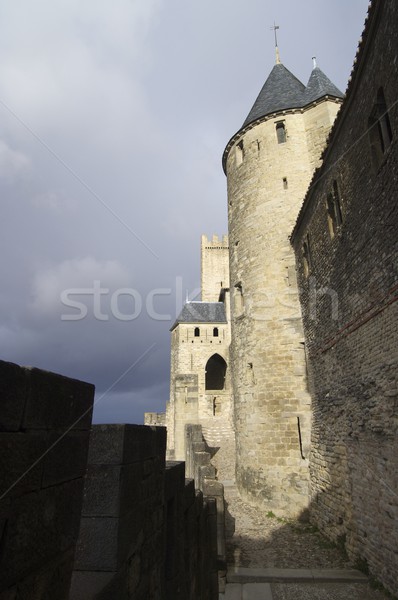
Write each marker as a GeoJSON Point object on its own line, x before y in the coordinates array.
{"type": "Point", "coordinates": [271, 558]}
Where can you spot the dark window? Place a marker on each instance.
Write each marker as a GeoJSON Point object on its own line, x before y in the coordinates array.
{"type": "Point", "coordinates": [307, 260]}
{"type": "Point", "coordinates": [216, 369]}
{"type": "Point", "coordinates": [285, 184]}
{"type": "Point", "coordinates": [281, 132]}
{"type": "Point", "coordinates": [215, 332]}
{"type": "Point", "coordinates": [197, 332]}
{"type": "Point", "coordinates": [238, 300]}
{"type": "Point", "coordinates": [333, 204]}
{"type": "Point", "coordinates": [380, 132]}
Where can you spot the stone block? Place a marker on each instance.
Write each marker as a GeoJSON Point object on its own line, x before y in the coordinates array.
{"type": "Point", "coordinates": [13, 393]}
{"type": "Point", "coordinates": [124, 444]}
{"type": "Point", "coordinates": [40, 525]}
{"type": "Point", "coordinates": [174, 479]}
{"type": "Point", "coordinates": [189, 493]}
{"type": "Point", "coordinates": [86, 585]}
{"type": "Point", "coordinates": [18, 454]}
{"type": "Point", "coordinates": [67, 458]}
{"type": "Point", "coordinates": [105, 542]}
{"type": "Point", "coordinates": [57, 402]}
{"type": "Point", "coordinates": [112, 490]}
{"type": "Point", "coordinates": [212, 488]}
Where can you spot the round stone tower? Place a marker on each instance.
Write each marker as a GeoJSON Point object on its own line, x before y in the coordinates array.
{"type": "Point", "coordinates": [269, 164]}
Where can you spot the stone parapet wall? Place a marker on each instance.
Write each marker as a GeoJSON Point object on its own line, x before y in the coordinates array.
{"type": "Point", "coordinates": [199, 467]}
{"type": "Point", "coordinates": [145, 532]}
{"type": "Point", "coordinates": [44, 433]}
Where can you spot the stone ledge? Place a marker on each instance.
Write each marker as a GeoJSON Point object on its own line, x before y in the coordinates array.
{"type": "Point", "coordinates": [246, 575]}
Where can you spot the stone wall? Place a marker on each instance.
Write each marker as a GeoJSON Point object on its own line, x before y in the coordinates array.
{"type": "Point", "coordinates": [44, 432]}
{"type": "Point", "coordinates": [200, 469]}
{"type": "Point", "coordinates": [266, 184]}
{"type": "Point", "coordinates": [155, 419]}
{"type": "Point", "coordinates": [348, 296]}
{"type": "Point", "coordinates": [145, 531]}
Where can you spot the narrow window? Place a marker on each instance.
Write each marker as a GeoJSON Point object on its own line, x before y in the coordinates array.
{"type": "Point", "coordinates": [215, 332]}
{"type": "Point", "coordinates": [238, 299]}
{"type": "Point", "coordinates": [240, 153]}
{"type": "Point", "coordinates": [307, 260]}
{"type": "Point", "coordinates": [197, 332]}
{"type": "Point", "coordinates": [280, 132]}
{"type": "Point", "coordinates": [333, 205]}
{"type": "Point", "coordinates": [380, 132]}
{"type": "Point", "coordinates": [216, 368]}
{"type": "Point", "coordinates": [285, 184]}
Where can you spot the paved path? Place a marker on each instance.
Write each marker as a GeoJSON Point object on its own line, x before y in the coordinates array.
{"type": "Point", "coordinates": [298, 584]}
{"type": "Point", "coordinates": [271, 558]}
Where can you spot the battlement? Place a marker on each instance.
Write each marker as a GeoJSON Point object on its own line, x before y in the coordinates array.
{"type": "Point", "coordinates": [215, 242]}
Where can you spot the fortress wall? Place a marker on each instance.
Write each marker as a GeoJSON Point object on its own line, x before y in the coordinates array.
{"type": "Point", "coordinates": [349, 302]}
{"type": "Point", "coordinates": [44, 432]}
{"type": "Point", "coordinates": [266, 184]}
{"type": "Point", "coordinates": [145, 532]}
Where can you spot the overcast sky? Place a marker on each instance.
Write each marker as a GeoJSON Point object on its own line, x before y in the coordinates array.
{"type": "Point", "coordinates": [113, 120]}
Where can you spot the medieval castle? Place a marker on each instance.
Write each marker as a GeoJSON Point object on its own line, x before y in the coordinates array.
{"type": "Point", "coordinates": [289, 360]}
{"type": "Point", "coordinates": [284, 390]}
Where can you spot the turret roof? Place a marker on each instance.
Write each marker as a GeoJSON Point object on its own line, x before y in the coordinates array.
{"type": "Point", "coordinates": [283, 91]}
{"type": "Point", "coordinates": [319, 85]}
{"type": "Point", "coordinates": [201, 312]}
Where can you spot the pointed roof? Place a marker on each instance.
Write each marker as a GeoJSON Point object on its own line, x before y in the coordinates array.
{"type": "Point", "coordinates": [319, 85]}
{"type": "Point", "coordinates": [282, 90]}
{"type": "Point", "coordinates": [201, 312]}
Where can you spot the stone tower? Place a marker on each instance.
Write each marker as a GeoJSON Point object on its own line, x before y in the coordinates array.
{"type": "Point", "coordinates": [269, 164]}
{"type": "Point", "coordinates": [200, 380]}
{"type": "Point", "coordinates": [214, 267]}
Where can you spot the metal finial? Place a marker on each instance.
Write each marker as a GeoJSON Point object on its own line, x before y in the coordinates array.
{"type": "Point", "coordinates": [278, 58]}
{"type": "Point", "coordinates": [314, 61]}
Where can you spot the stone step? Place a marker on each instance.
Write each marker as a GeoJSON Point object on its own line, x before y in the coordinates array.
{"type": "Point", "coordinates": [245, 575]}
{"type": "Point", "coordinates": [247, 591]}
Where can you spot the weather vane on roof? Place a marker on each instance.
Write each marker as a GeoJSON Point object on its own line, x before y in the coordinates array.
{"type": "Point", "coordinates": [275, 28]}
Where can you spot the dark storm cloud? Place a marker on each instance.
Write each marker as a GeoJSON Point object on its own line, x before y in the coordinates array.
{"type": "Point", "coordinates": [113, 119]}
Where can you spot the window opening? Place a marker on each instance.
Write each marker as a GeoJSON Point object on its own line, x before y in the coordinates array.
{"type": "Point", "coordinates": [215, 332]}
{"type": "Point", "coordinates": [197, 332]}
{"type": "Point", "coordinates": [240, 153]}
{"type": "Point", "coordinates": [216, 369]}
{"type": "Point", "coordinates": [280, 132]}
{"type": "Point", "coordinates": [380, 131]}
{"type": "Point", "coordinates": [307, 260]}
{"type": "Point", "coordinates": [333, 204]}
{"type": "Point", "coordinates": [238, 299]}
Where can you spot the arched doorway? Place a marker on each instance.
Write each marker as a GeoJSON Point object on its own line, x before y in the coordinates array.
{"type": "Point", "coordinates": [216, 368]}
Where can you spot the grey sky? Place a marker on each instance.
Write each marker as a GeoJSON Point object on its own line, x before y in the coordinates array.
{"type": "Point", "coordinates": [113, 120]}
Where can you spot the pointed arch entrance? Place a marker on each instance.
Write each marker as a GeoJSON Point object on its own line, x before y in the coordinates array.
{"type": "Point", "coordinates": [216, 369]}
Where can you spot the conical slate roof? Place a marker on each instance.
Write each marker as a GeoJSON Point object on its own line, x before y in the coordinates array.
{"type": "Point", "coordinates": [281, 90]}
{"type": "Point", "coordinates": [319, 85]}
